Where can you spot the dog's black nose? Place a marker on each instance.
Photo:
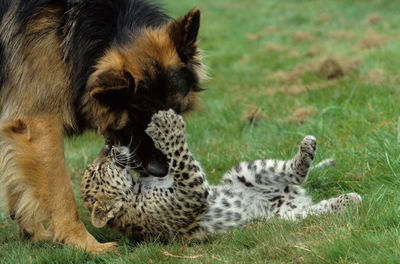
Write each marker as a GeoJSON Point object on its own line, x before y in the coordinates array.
{"type": "Point", "coordinates": [157, 168]}
{"type": "Point", "coordinates": [152, 160]}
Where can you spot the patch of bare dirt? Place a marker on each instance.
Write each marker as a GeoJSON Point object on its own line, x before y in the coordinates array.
{"type": "Point", "coordinates": [299, 36]}
{"type": "Point", "coordinates": [374, 40]}
{"type": "Point", "coordinates": [300, 115]}
{"type": "Point", "coordinates": [254, 114]}
{"type": "Point", "coordinates": [373, 19]}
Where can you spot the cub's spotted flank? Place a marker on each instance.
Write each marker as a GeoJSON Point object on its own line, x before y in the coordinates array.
{"type": "Point", "coordinates": [183, 204]}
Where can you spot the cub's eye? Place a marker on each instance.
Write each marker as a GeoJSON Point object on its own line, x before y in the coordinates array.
{"type": "Point", "coordinates": [112, 153]}
{"type": "Point", "coordinates": [183, 80]}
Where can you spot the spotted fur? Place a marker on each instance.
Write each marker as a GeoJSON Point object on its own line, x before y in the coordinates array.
{"type": "Point", "coordinates": [183, 204]}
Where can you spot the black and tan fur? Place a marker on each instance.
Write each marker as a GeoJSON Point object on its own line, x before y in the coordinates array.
{"type": "Point", "coordinates": [71, 65]}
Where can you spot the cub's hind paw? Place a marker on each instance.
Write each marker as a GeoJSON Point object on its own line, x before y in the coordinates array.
{"type": "Point", "coordinates": [346, 200]}
{"type": "Point", "coordinates": [308, 148]}
{"type": "Point", "coordinates": [167, 131]}
{"type": "Point", "coordinates": [350, 199]}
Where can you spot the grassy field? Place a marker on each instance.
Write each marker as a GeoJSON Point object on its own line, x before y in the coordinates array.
{"type": "Point", "coordinates": [280, 70]}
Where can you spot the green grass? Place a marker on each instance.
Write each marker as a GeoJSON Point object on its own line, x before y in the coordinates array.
{"type": "Point", "coordinates": [255, 60]}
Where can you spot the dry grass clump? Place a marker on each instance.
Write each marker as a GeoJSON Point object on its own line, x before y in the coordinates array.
{"type": "Point", "coordinates": [330, 69]}
{"type": "Point", "coordinates": [244, 59]}
{"type": "Point", "coordinates": [292, 76]}
{"type": "Point", "coordinates": [276, 47]}
{"type": "Point", "coordinates": [376, 76]}
{"type": "Point", "coordinates": [374, 40]}
{"type": "Point", "coordinates": [253, 37]}
{"type": "Point", "coordinates": [254, 114]}
{"type": "Point", "coordinates": [301, 114]}
{"type": "Point", "coordinates": [313, 51]}
{"type": "Point", "coordinates": [340, 34]}
{"type": "Point", "coordinates": [270, 29]}
{"type": "Point", "coordinates": [299, 36]}
{"type": "Point", "coordinates": [373, 19]}
{"type": "Point", "coordinates": [333, 68]}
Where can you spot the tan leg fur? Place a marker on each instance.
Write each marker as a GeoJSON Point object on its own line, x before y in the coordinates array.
{"type": "Point", "coordinates": [38, 189]}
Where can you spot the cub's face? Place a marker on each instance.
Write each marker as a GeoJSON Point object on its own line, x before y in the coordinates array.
{"type": "Point", "coordinates": [158, 69]}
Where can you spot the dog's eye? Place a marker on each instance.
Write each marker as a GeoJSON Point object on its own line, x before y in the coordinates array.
{"type": "Point", "coordinates": [183, 80]}
{"type": "Point", "coordinates": [131, 81]}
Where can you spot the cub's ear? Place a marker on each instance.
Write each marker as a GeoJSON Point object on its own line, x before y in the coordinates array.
{"type": "Point", "coordinates": [15, 128]}
{"type": "Point", "coordinates": [111, 87]}
{"type": "Point", "coordinates": [103, 212]}
{"type": "Point", "coordinates": [184, 31]}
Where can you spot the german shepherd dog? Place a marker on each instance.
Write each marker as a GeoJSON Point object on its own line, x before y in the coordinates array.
{"type": "Point", "coordinates": [71, 65]}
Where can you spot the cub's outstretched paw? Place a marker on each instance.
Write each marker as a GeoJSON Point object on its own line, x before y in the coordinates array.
{"type": "Point", "coordinates": [167, 131]}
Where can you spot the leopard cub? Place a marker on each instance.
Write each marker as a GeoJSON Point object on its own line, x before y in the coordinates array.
{"type": "Point", "coordinates": [183, 204]}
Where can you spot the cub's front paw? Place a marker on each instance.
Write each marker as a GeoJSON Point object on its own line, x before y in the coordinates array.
{"type": "Point", "coordinates": [167, 131]}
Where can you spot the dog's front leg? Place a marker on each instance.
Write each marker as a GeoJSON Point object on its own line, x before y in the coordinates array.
{"type": "Point", "coordinates": [39, 184]}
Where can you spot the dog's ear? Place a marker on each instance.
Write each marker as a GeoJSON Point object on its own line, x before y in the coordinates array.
{"type": "Point", "coordinates": [183, 32]}
{"type": "Point", "coordinates": [102, 213]}
{"type": "Point", "coordinates": [111, 87]}
{"type": "Point", "coordinates": [16, 127]}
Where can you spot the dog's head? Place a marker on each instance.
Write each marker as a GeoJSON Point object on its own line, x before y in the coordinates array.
{"type": "Point", "coordinates": [158, 69]}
